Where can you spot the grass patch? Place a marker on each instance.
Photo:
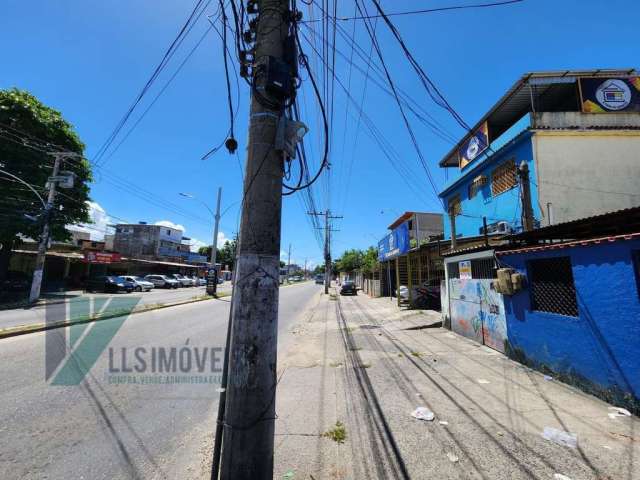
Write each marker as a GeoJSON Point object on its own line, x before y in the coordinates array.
{"type": "Point", "coordinates": [355, 349]}
{"type": "Point", "coordinates": [335, 364]}
{"type": "Point", "coordinates": [416, 354]}
{"type": "Point", "coordinates": [338, 433]}
{"type": "Point", "coordinates": [365, 365]}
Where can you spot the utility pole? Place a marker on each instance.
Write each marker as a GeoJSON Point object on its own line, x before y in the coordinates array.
{"type": "Point", "coordinates": [452, 224]}
{"type": "Point", "coordinates": [527, 211]}
{"type": "Point", "coordinates": [36, 282]}
{"type": "Point", "coordinates": [289, 264]}
{"type": "Point", "coordinates": [327, 245]}
{"type": "Point", "coordinates": [249, 421]}
{"type": "Point", "coordinates": [304, 272]}
{"type": "Point", "coordinates": [214, 245]}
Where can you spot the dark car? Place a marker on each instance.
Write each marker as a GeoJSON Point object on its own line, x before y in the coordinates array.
{"type": "Point", "coordinates": [109, 284]}
{"type": "Point", "coordinates": [348, 288]}
{"type": "Point", "coordinates": [16, 282]}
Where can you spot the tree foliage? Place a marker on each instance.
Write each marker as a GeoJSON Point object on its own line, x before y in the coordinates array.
{"type": "Point", "coordinates": [225, 255]}
{"type": "Point", "coordinates": [356, 259]}
{"type": "Point", "coordinates": [29, 132]}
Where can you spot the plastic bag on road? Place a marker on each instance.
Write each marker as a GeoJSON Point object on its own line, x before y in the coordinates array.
{"type": "Point", "coordinates": [618, 412]}
{"type": "Point", "coordinates": [423, 413]}
{"type": "Point", "coordinates": [566, 439]}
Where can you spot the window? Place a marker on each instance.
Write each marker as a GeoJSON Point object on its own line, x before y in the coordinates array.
{"type": "Point", "coordinates": [455, 206]}
{"type": "Point", "coordinates": [168, 232]}
{"type": "Point", "coordinates": [504, 177]}
{"type": "Point", "coordinates": [476, 185]}
{"type": "Point", "coordinates": [552, 287]}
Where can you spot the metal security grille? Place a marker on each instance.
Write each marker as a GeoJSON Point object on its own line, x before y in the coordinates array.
{"type": "Point", "coordinates": [504, 177]}
{"type": "Point", "coordinates": [552, 287]}
{"type": "Point", "coordinates": [483, 268]}
{"type": "Point", "coordinates": [453, 270]}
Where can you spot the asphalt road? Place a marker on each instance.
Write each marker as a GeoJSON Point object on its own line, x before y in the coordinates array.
{"type": "Point", "coordinates": [37, 314]}
{"type": "Point", "coordinates": [100, 429]}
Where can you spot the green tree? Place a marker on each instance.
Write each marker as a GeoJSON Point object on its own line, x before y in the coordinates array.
{"type": "Point", "coordinates": [319, 270]}
{"type": "Point", "coordinates": [350, 260]}
{"type": "Point", "coordinates": [225, 255]}
{"type": "Point", "coordinates": [370, 259]}
{"type": "Point", "coordinates": [29, 131]}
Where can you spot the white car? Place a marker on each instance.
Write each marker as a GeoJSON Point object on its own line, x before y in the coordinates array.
{"type": "Point", "coordinates": [162, 281]}
{"type": "Point", "coordinates": [184, 281]}
{"type": "Point", "coordinates": [140, 284]}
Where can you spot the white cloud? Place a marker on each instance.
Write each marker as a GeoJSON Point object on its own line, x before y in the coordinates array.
{"type": "Point", "coordinates": [99, 222]}
{"type": "Point", "coordinates": [196, 244]}
{"type": "Point", "coordinates": [221, 239]}
{"type": "Point", "coordinates": [170, 224]}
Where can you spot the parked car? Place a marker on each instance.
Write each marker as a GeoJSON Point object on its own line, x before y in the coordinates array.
{"type": "Point", "coordinates": [348, 288]}
{"type": "Point", "coordinates": [201, 282]}
{"type": "Point", "coordinates": [427, 295]}
{"type": "Point", "coordinates": [319, 279]}
{"type": "Point", "coordinates": [16, 281]}
{"type": "Point", "coordinates": [140, 284]}
{"type": "Point", "coordinates": [184, 281]}
{"type": "Point", "coordinates": [109, 284]}
{"type": "Point", "coordinates": [162, 281]}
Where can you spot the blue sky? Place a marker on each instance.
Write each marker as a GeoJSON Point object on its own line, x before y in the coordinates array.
{"type": "Point", "coordinates": [89, 59]}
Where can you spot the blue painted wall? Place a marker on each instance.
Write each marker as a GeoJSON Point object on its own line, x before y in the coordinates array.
{"type": "Point", "coordinates": [603, 343]}
{"type": "Point", "coordinates": [506, 206]}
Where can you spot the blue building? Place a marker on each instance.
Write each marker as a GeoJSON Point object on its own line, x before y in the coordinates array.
{"type": "Point", "coordinates": [582, 157]}
{"type": "Point", "coordinates": [578, 313]}
{"type": "Point", "coordinates": [544, 168]}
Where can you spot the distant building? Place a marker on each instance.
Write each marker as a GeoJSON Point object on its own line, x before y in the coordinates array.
{"type": "Point", "coordinates": [157, 242]}
{"type": "Point", "coordinates": [108, 241]}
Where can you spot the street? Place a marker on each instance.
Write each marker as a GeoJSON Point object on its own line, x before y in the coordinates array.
{"type": "Point", "coordinates": [37, 314]}
{"type": "Point", "coordinates": [101, 430]}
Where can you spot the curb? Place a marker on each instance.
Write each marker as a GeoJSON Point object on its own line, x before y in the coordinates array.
{"type": "Point", "coordinates": [41, 327]}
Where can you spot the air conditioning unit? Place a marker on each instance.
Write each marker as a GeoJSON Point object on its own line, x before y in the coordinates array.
{"type": "Point", "coordinates": [497, 228]}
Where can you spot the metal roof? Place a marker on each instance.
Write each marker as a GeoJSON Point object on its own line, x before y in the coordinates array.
{"type": "Point", "coordinates": [551, 91]}
{"type": "Point", "coordinates": [575, 243]}
{"type": "Point", "coordinates": [613, 223]}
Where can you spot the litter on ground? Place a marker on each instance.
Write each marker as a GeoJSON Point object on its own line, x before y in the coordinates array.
{"type": "Point", "coordinates": [559, 476]}
{"type": "Point", "coordinates": [483, 381]}
{"type": "Point", "coordinates": [452, 457]}
{"type": "Point", "coordinates": [442, 422]}
{"type": "Point", "coordinates": [618, 412]}
{"type": "Point", "coordinates": [548, 378]}
{"type": "Point", "coordinates": [423, 413]}
{"type": "Point", "coordinates": [566, 439]}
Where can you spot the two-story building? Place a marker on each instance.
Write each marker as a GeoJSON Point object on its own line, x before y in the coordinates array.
{"type": "Point", "coordinates": [557, 147]}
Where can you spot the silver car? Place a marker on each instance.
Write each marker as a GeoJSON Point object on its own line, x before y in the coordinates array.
{"type": "Point", "coordinates": [140, 284]}
{"type": "Point", "coordinates": [184, 281]}
{"type": "Point", "coordinates": [162, 281]}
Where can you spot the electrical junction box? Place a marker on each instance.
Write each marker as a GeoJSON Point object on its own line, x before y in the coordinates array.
{"type": "Point", "coordinates": [503, 284]}
{"type": "Point", "coordinates": [276, 77]}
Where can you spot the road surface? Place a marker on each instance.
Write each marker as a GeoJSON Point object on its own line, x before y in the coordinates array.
{"type": "Point", "coordinates": [37, 314]}
{"type": "Point", "coordinates": [100, 429]}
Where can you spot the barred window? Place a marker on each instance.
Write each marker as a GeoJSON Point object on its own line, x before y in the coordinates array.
{"type": "Point", "coordinates": [504, 177]}
{"type": "Point", "coordinates": [476, 185]}
{"type": "Point", "coordinates": [552, 287]}
{"type": "Point", "coordinates": [455, 205]}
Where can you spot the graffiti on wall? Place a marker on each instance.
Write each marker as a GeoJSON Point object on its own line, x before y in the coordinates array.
{"type": "Point", "coordinates": [477, 312]}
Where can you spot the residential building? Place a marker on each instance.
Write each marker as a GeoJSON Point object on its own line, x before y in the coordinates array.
{"type": "Point", "coordinates": [581, 152]}
{"type": "Point", "coordinates": [157, 242]}
{"type": "Point", "coordinates": [558, 146]}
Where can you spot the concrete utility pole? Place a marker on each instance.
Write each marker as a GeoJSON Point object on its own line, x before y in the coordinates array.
{"type": "Point", "coordinates": [214, 245]}
{"type": "Point", "coordinates": [452, 224]}
{"type": "Point", "coordinates": [327, 245]}
{"type": "Point", "coordinates": [289, 264]}
{"type": "Point", "coordinates": [249, 422]}
{"type": "Point", "coordinates": [36, 282]}
{"type": "Point", "coordinates": [527, 211]}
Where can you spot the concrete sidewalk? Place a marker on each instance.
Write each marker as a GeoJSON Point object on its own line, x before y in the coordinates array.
{"type": "Point", "coordinates": [367, 364]}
